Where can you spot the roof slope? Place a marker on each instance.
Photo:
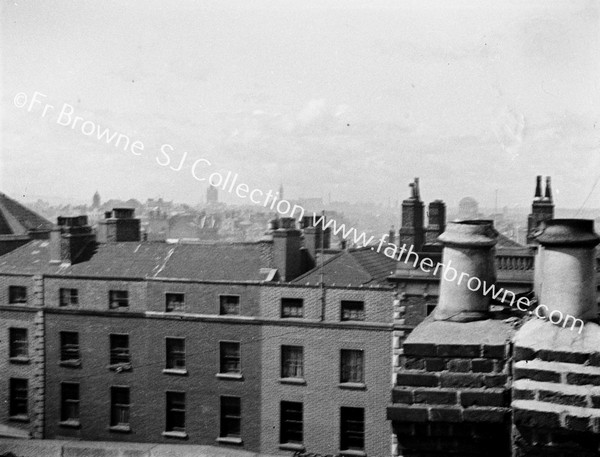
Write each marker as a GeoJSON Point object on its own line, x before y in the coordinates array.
{"type": "Point", "coordinates": [226, 262]}
{"type": "Point", "coordinates": [355, 267]}
{"type": "Point", "coordinates": [16, 219]}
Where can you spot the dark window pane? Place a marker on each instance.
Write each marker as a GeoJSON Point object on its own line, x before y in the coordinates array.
{"type": "Point", "coordinates": [292, 362]}
{"type": "Point", "coordinates": [174, 302]}
{"type": "Point", "coordinates": [17, 294]}
{"type": "Point", "coordinates": [353, 310]}
{"type": "Point", "coordinates": [175, 353]}
{"type": "Point", "coordinates": [69, 346]}
{"type": "Point", "coordinates": [229, 304]}
{"type": "Point", "coordinates": [292, 307]}
{"type": "Point", "coordinates": [230, 358]}
{"type": "Point", "coordinates": [231, 419]}
{"type": "Point", "coordinates": [118, 298]}
{"type": "Point", "coordinates": [19, 400]}
{"type": "Point", "coordinates": [352, 429]}
{"type": "Point", "coordinates": [69, 297]}
{"type": "Point", "coordinates": [175, 412]}
{"type": "Point", "coordinates": [291, 426]}
{"type": "Point", "coordinates": [19, 346]}
{"type": "Point", "coordinates": [119, 349]}
{"type": "Point", "coordinates": [119, 406]}
{"type": "Point", "coordinates": [352, 366]}
{"type": "Point", "coordinates": [69, 407]}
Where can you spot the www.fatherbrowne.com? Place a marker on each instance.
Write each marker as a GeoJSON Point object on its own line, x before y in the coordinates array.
{"type": "Point", "coordinates": [407, 254]}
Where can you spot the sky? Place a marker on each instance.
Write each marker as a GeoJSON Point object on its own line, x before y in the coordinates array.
{"type": "Point", "coordinates": [344, 98]}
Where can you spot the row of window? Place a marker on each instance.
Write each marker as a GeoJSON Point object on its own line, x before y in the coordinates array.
{"type": "Point", "coordinates": [351, 310]}
{"type": "Point", "coordinates": [292, 357]}
{"type": "Point", "coordinates": [352, 420]}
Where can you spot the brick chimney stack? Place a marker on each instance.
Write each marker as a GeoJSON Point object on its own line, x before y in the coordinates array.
{"type": "Point", "coordinates": [468, 248]}
{"type": "Point", "coordinates": [437, 221]}
{"type": "Point", "coordinates": [287, 257]}
{"type": "Point", "coordinates": [542, 208]}
{"type": "Point", "coordinates": [119, 225]}
{"type": "Point", "coordinates": [412, 232]}
{"type": "Point", "coordinates": [70, 239]}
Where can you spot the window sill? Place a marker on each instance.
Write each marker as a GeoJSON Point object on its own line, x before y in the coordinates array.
{"type": "Point", "coordinates": [292, 447]}
{"type": "Point", "coordinates": [229, 440]}
{"type": "Point", "coordinates": [120, 367]}
{"type": "Point", "coordinates": [19, 418]}
{"type": "Point", "coordinates": [353, 385]}
{"type": "Point", "coordinates": [70, 423]}
{"type": "Point", "coordinates": [22, 360]}
{"type": "Point", "coordinates": [230, 376]}
{"type": "Point", "coordinates": [120, 428]}
{"type": "Point", "coordinates": [70, 363]}
{"type": "Point", "coordinates": [352, 453]}
{"type": "Point", "coordinates": [178, 435]}
{"type": "Point", "coordinates": [177, 372]}
{"type": "Point", "coordinates": [294, 381]}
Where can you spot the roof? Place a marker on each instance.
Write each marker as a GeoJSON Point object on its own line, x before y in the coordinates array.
{"type": "Point", "coordinates": [355, 267]}
{"type": "Point", "coordinates": [223, 261]}
{"type": "Point", "coordinates": [16, 219]}
{"type": "Point", "coordinates": [506, 242]}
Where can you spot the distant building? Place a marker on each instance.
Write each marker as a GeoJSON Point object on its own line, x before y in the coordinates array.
{"type": "Point", "coordinates": [96, 202]}
{"type": "Point", "coordinates": [212, 195]}
{"type": "Point", "coordinates": [468, 209]}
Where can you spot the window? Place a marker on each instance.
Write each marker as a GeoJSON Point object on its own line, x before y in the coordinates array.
{"type": "Point", "coordinates": [118, 299]}
{"type": "Point", "coordinates": [352, 366]}
{"type": "Point", "coordinates": [18, 404]}
{"type": "Point", "coordinates": [69, 297]}
{"type": "Point", "coordinates": [18, 345]}
{"type": "Point", "coordinates": [175, 412]}
{"type": "Point", "coordinates": [119, 407]}
{"type": "Point", "coordinates": [69, 348]}
{"type": "Point", "coordinates": [174, 302]}
{"type": "Point", "coordinates": [175, 354]}
{"type": "Point", "coordinates": [352, 429]}
{"type": "Point", "coordinates": [69, 404]}
{"type": "Point", "coordinates": [292, 362]}
{"type": "Point", "coordinates": [353, 310]}
{"type": "Point", "coordinates": [230, 362]}
{"type": "Point", "coordinates": [17, 294]}
{"type": "Point", "coordinates": [292, 307]}
{"type": "Point", "coordinates": [119, 350]}
{"type": "Point", "coordinates": [291, 426]}
{"type": "Point", "coordinates": [229, 304]}
{"type": "Point", "coordinates": [231, 417]}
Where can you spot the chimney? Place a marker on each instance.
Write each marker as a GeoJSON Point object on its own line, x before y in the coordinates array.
{"type": "Point", "coordinates": [548, 196]}
{"type": "Point", "coordinates": [412, 232]}
{"type": "Point", "coordinates": [392, 236]}
{"type": "Point", "coordinates": [287, 257]}
{"type": "Point", "coordinates": [119, 225]}
{"type": "Point", "coordinates": [468, 248]}
{"type": "Point", "coordinates": [538, 189]}
{"type": "Point", "coordinates": [437, 221]}
{"type": "Point", "coordinates": [71, 239]}
{"type": "Point", "coordinates": [567, 281]}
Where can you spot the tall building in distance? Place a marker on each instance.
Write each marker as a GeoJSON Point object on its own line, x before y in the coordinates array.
{"type": "Point", "coordinates": [542, 208]}
{"type": "Point", "coordinates": [212, 195]}
{"type": "Point", "coordinates": [96, 202]}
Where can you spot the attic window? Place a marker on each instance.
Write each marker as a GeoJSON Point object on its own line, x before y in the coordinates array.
{"type": "Point", "coordinates": [174, 302]}
{"type": "Point", "coordinates": [353, 310]}
{"type": "Point", "coordinates": [292, 307]}
{"type": "Point", "coordinates": [118, 299]}
{"type": "Point", "coordinates": [17, 295]}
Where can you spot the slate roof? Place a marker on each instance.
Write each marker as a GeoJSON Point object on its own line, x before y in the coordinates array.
{"type": "Point", "coordinates": [225, 261]}
{"type": "Point", "coordinates": [354, 267]}
{"type": "Point", "coordinates": [16, 219]}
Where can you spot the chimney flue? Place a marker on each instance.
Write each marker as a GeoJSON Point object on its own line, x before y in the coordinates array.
{"type": "Point", "coordinates": [538, 189]}
{"type": "Point", "coordinates": [567, 281]}
{"type": "Point", "coordinates": [468, 251]}
{"type": "Point", "coordinates": [548, 195]}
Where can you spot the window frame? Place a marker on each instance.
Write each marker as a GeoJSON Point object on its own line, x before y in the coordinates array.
{"type": "Point", "coordinates": [67, 403]}
{"type": "Point", "coordinates": [239, 305]}
{"type": "Point", "coordinates": [346, 432]}
{"type": "Point", "coordinates": [286, 350]}
{"type": "Point", "coordinates": [119, 352]}
{"type": "Point", "coordinates": [347, 315]}
{"type": "Point", "coordinates": [18, 407]}
{"type": "Point", "coordinates": [76, 349]}
{"type": "Point", "coordinates": [170, 428]}
{"type": "Point", "coordinates": [291, 315]}
{"type": "Point", "coordinates": [116, 302]}
{"type": "Point", "coordinates": [18, 347]}
{"type": "Point", "coordinates": [180, 304]}
{"type": "Point", "coordinates": [73, 298]}
{"type": "Point", "coordinates": [284, 432]}
{"type": "Point", "coordinates": [173, 357]}
{"type": "Point", "coordinates": [231, 374]}
{"type": "Point", "coordinates": [346, 369]}
{"type": "Point", "coordinates": [117, 407]}
{"type": "Point", "coordinates": [230, 420]}
{"type": "Point", "coordinates": [17, 295]}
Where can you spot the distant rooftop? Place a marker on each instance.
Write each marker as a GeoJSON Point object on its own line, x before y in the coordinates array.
{"type": "Point", "coordinates": [16, 219]}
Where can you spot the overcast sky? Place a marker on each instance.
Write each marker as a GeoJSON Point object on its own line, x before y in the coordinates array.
{"type": "Point", "coordinates": [349, 98]}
